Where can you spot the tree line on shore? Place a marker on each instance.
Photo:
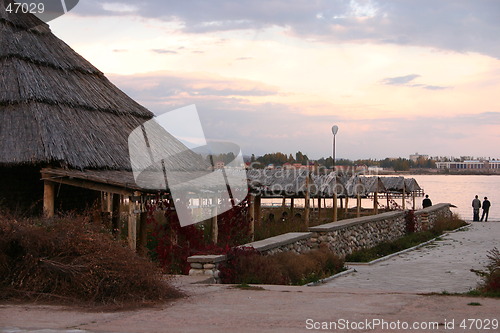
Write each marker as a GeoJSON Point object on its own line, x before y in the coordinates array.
{"type": "Point", "coordinates": [398, 164]}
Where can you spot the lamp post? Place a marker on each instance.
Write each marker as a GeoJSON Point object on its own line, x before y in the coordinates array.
{"type": "Point", "coordinates": [335, 129]}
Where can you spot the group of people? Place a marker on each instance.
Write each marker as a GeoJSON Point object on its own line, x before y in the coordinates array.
{"type": "Point", "coordinates": [476, 206]}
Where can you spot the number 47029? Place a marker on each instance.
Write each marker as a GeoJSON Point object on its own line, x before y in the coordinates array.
{"type": "Point", "coordinates": [25, 8]}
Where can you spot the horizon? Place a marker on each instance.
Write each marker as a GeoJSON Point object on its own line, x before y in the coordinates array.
{"type": "Point", "coordinates": [277, 75]}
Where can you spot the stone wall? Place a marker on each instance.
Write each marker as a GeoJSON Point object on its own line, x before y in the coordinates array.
{"type": "Point", "coordinates": [347, 236]}
{"type": "Point", "coordinates": [342, 237]}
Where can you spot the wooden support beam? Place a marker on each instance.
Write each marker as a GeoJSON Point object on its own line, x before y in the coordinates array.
{"type": "Point", "coordinates": [346, 205]}
{"type": "Point", "coordinates": [257, 209]}
{"type": "Point", "coordinates": [132, 226]}
{"type": "Point", "coordinates": [358, 204]}
{"type": "Point", "coordinates": [142, 236]}
{"type": "Point", "coordinates": [251, 215]}
{"type": "Point", "coordinates": [292, 204]}
{"type": "Point", "coordinates": [215, 226]}
{"type": "Point", "coordinates": [319, 208]}
{"type": "Point", "coordinates": [375, 203]}
{"type": "Point", "coordinates": [48, 198]}
{"type": "Point", "coordinates": [307, 202]}
{"type": "Point", "coordinates": [115, 217]}
{"type": "Point", "coordinates": [403, 199]}
{"type": "Point", "coordinates": [335, 213]}
{"type": "Point", "coordinates": [88, 184]}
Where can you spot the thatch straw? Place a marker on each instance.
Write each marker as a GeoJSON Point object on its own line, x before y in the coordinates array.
{"type": "Point", "coordinates": [56, 108]}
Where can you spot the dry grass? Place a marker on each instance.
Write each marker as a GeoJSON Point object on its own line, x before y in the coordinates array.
{"type": "Point", "coordinates": [250, 267]}
{"type": "Point", "coordinates": [69, 261]}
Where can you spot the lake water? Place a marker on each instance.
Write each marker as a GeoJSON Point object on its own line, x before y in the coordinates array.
{"type": "Point", "coordinates": [458, 190]}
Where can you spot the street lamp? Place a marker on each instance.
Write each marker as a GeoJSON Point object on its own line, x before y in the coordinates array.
{"type": "Point", "coordinates": [335, 129]}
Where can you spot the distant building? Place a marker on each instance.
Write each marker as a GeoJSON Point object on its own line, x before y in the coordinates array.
{"type": "Point", "coordinates": [469, 165]}
{"type": "Point", "coordinates": [416, 156]}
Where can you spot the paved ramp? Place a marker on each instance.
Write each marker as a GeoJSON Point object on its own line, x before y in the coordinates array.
{"type": "Point", "coordinates": [443, 265]}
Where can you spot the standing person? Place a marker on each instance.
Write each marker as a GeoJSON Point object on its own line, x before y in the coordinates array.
{"type": "Point", "coordinates": [486, 209]}
{"type": "Point", "coordinates": [426, 202]}
{"type": "Point", "coordinates": [476, 205]}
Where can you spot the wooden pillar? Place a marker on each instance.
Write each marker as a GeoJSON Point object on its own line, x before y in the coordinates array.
{"type": "Point", "coordinates": [403, 199]}
{"type": "Point", "coordinates": [132, 225]}
{"type": "Point", "coordinates": [142, 237]}
{"type": "Point", "coordinates": [251, 215]}
{"type": "Point", "coordinates": [319, 208]}
{"type": "Point", "coordinates": [335, 213]}
{"type": "Point", "coordinates": [48, 198]}
{"type": "Point", "coordinates": [258, 213]}
{"type": "Point", "coordinates": [346, 205]}
{"type": "Point", "coordinates": [375, 203]}
{"type": "Point", "coordinates": [307, 202]}
{"type": "Point", "coordinates": [115, 218]}
{"type": "Point", "coordinates": [387, 197]}
{"type": "Point", "coordinates": [292, 203]}
{"type": "Point", "coordinates": [358, 208]}
{"type": "Point", "coordinates": [215, 226]}
{"type": "Point", "coordinates": [413, 195]}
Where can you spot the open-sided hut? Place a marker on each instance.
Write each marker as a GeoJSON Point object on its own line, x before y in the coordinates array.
{"type": "Point", "coordinates": [56, 110]}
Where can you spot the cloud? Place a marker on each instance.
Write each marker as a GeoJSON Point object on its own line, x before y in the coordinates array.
{"type": "Point", "coordinates": [162, 51]}
{"type": "Point", "coordinates": [400, 80]}
{"type": "Point", "coordinates": [458, 25]}
{"type": "Point", "coordinates": [406, 80]}
{"type": "Point", "coordinates": [228, 112]}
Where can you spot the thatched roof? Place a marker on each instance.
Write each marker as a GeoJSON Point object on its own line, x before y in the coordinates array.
{"type": "Point", "coordinates": [55, 107]}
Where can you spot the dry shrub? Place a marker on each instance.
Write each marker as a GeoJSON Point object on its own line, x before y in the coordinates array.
{"type": "Point", "coordinates": [248, 266]}
{"type": "Point", "coordinates": [69, 261]}
{"type": "Point", "coordinates": [444, 223]}
{"type": "Point", "coordinates": [491, 276]}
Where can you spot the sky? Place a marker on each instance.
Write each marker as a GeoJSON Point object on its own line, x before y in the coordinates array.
{"type": "Point", "coordinates": [396, 77]}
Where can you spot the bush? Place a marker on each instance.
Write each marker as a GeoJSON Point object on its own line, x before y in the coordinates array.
{"type": "Point", "coordinates": [68, 260]}
{"type": "Point", "coordinates": [248, 266]}
{"type": "Point", "coordinates": [490, 285]}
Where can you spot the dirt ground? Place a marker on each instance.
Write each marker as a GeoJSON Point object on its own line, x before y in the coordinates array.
{"type": "Point", "coordinates": [216, 308]}
{"type": "Point", "coordinates": [363, 302]}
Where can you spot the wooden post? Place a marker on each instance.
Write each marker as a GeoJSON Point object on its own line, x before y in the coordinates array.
{"type": "Point", "coordinates": [258, 200]}
{"type": "Point", "coordinates": [115, 218]}
{"type": "Point", "coordinates": [413, 195]}
{"type": "Point", "coordinates": [335, 213]}
{"type": "Point", "coordinates": [387, 197]}
{"type": "Point", "coordinates": [215, 226]}
{"type": "Point", "coordinates": [307, 202]}
{"type": "Point", "coordinates": [251, 215]}
{"type": "Point", "coordinates": [143, 234]}
{"type": "Point", "coordinates": [346, 205]}
{"type": "Point", "coordinates": [358, 208]}
{"type": "Point", "coordinates": [319, 208]}
{"type": "Point", "coordinates": [375, 203]}
{"type": "Point", "coordinates": [292, 203]}
{"type": "Point", "coordinates": [132, 225]}
{"type": "Point", "coordinates": [48, 198]}
{"type": "Point", "coordinates": [403, 199]}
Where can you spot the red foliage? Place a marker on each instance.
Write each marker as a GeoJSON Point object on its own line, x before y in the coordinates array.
{"type": "Point", "coordinates": [171, 244]}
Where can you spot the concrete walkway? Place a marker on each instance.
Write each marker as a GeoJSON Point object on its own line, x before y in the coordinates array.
{"type": "Point", "coordinates": [388, 292]}
{"type": "Point", "coordinates": [442, 266]}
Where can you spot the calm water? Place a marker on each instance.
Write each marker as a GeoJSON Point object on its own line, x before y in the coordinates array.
{"type": "Point", "coordinates": [455, 189]}
{"type": "Point", "coordinates": [460, 190]}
